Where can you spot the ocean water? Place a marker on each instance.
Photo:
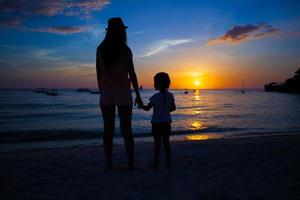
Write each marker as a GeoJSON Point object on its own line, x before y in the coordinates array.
{"type": "Point", "coordinates": [224, 112]}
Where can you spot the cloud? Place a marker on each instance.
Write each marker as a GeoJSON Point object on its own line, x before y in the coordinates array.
{"type": "Point", "coordinates": [52, 7]}
{"type": "Point", "coordinates": [137, 32]}
{"type": "Point", "coordinates": [163, 45]}
{"type": "Point", "coordinates": [96, 31]}
{"type": "Point", "coordinates": [292, 34]}
{"type": "Point", "coordinates": [242, 33]}
{"type": "Point", "coordinates": [9, 21]}
{"type": "Point", "coordinates": [58, 29]}
{"type": "Point", "coordinates": [14, 10]}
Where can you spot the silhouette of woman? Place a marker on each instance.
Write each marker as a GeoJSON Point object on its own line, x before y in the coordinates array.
{"type": "Point", "coordinates": [115, 72]}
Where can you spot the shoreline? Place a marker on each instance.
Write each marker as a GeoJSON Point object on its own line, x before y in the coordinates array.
{"type": "Point", "coordinates": [235, 168]}
{"type": "Point", "coordinates": [180, 136]}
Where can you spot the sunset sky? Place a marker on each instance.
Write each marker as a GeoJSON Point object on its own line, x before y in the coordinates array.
{"type": "Point", "coordinates": [208, 44]}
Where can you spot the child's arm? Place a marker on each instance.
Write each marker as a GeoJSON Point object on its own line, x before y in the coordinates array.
{"type": "Point", "coordinates": [147, 107]}
{"type": "Point", "coordinates": [173, 107]}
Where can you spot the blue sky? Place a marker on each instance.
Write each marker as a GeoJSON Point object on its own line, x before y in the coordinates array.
{"type": "Point", "coordinates": [219, 43]}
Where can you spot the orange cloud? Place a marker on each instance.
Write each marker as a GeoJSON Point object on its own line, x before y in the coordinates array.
{"type": "Point", "coordinates": [9, 21]}
{"type": "Point", "coordinates": [58, 29]}
{"type": "Point", "coordinates": [27, 9]}
{"type": "Point", "coordinates": [242, 33]}
{"type": "Point", "coordinates": [52, 7]}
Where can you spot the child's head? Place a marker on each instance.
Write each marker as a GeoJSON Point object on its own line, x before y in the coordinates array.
{"type": "Point", "coordinates": [161, 81]}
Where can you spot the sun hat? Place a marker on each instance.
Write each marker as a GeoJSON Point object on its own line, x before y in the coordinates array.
{"type": "Point", "coordinates": [115, 23]}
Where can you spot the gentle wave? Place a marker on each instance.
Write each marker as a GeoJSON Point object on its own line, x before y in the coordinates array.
{"type": "Point", "coordinates": [48, 106]}
{"type": "Point", "coordinates": [219, 111]}
{"type": "Point", "coordinates": [30, 105]}
{"type": "Point", "coordinates": [33, 115]}
{"type": "Point", "coordinates": [69, 134]}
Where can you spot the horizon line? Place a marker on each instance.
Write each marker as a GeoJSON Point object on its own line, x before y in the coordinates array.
{"type": "Point", "coordinates": [91, 88]}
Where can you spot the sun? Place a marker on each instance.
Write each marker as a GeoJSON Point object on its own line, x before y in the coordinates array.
{"type": "Point", "coordinates": [197, 82]}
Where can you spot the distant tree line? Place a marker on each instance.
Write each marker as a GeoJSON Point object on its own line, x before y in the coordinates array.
{"type": "Point", "coordinates": [291, 85]}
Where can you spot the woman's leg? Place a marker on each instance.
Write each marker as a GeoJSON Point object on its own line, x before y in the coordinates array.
{"type": "Point", "coordinates": [125, 113]}
{"type": "Point", "coordinates": [108, 114]}
{"type": "Point", "coordinates": [166, 142]}
{"type": "Point", "coordinates": [157, 142]}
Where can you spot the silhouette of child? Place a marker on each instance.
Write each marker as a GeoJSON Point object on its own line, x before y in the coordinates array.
{"type": "Point", "coordinates": [163, 103]}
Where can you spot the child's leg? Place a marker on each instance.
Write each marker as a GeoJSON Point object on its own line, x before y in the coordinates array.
{"type": "Point", "coordinates": [166, 143]}
{"type": "Point", "coordinates": [157, 143]}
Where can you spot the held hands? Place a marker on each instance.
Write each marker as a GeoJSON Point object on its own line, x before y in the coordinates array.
{"type": "Point", "coordinates": [138, 102]}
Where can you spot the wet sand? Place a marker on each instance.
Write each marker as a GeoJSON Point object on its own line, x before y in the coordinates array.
{"type": "Point", "coordinates": [241, 168]}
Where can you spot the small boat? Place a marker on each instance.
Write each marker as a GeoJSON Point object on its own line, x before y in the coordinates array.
{"type": "Point", "coordinates": [243, 90]}
{"type": "Point", "coordinates": [83, 90]}
{"type": "Point", "coordinates": [141, 88]}
{"type": "Point", "coordinates": [41, 90]}
{"type": "Point", "coordinates": [186, 92]}
{"type": "Point", "coordinates": [52, 93]}
{"type": "Point", "coordinates": [95, 92]}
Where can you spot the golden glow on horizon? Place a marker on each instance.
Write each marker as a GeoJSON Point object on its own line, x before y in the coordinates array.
{"type": "Point", "coordinates": [189, 70]}
{"type": "Point", "coordinates": [188, 80]}
{"type": "Point", "coordinates": [211, 74]}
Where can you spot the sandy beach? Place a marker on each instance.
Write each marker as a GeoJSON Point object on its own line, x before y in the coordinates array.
{"type": "Point", "coordinates": [243, 168]}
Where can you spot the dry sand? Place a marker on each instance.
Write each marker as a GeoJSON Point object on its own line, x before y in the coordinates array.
{"type": "Point", "coordinates": [244, 168]}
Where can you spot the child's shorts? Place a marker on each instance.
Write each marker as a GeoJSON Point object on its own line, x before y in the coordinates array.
{"type": "Point", "coordinates": [161, 128]}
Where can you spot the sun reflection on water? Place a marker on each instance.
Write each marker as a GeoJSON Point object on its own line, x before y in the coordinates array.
{"type": "Point", "coordinates": [197, 97]}
{"type": "Point", "coordinates": [197, 101]}
{"type": "Point", "coordinates": [198, 111]}
{"type": "Point", "coordinates": [203, 136]}
{"type": "Point", "coordinates": [196, 125]}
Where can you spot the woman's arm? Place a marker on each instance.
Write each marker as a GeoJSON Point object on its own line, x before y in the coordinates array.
{"type": "Point", "coordinates": [134, 81]}
{"type": "Point", "coordinates": [98, 71]}
{"type": "Point", "coordinates": [173, 107]}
